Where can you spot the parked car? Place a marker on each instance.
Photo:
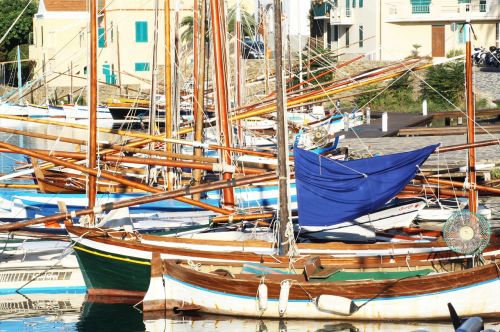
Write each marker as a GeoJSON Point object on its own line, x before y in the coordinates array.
{"type": "Point", "coordinates": [252, 49]}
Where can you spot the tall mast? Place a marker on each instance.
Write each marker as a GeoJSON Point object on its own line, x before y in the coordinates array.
{"type": "Point", "coordinates": [471, 117]}
{"type": "Point", "coordinates": [218, 16]}
{"type": "Point", "coordinates": [92, 150]}
{"type": "Point", "coordinates": [283, 158]}
{"type": "Point", "coordinates": [237, 76]}
{"type": "Point", "coordinates": [199, 80]}
{"type": "Point", "coordinates": [19, 77]}
{"type": "Point", "coordinates": [154, 73]}
{"type": "Point", "coordinates": [168, 86]}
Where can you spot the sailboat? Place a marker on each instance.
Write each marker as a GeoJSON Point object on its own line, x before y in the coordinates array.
{"type": "Point", "coordinates": [321, 291]}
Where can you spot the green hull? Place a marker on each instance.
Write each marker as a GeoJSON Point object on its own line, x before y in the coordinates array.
{"type": "Point", "coordinates": [111, 274]}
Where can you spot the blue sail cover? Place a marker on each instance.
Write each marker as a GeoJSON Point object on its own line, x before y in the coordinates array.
{"type": "Point", "coordinates": [331, 191]}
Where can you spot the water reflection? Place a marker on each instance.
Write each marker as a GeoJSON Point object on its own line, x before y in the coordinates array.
{"type": "Point", "coordinates": [110, 317]}
{"type": "Point", "coordinates": [74, 312]}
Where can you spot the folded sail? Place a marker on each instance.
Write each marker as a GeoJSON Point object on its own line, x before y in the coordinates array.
{"type": "Point", "coordinates": [332, 191]}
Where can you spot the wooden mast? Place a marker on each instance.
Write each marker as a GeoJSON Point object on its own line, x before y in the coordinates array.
{"type": "Point", "coordinates": [168, 86]}
{"type": "Point", "coordinates": [199, 26]}
{"type": "Point", "coordinates": [237, 76]}
{"type": "Point", "coordinates": [471, 119]}
{"type": "Point", "coordinates": [218, 18]}
{"type": "Point", "coordinates": [92, 150]}
{"type": "Point", "coordinates": [154, 72]}
{"type": "Point", "coordinates": [282, 135]}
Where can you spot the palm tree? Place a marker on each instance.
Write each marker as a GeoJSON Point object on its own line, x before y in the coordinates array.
{"type": "Point", "coordinates": [248, 24]}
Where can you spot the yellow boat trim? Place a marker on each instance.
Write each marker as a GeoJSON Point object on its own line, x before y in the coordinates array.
{"type": "Point", "coordinates": [111, 256]}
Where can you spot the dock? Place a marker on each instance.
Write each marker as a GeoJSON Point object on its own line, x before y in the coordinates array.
{"type": "Point", "coordinates": [395, 122]}
{"type": "Point", "coordinates": [412, 124]}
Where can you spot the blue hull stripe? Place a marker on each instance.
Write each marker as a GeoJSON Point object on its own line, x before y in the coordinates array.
{"type": "Point", "coordinates": [46, 290]}
{"type": "Point", "coordinates": [357, 300]}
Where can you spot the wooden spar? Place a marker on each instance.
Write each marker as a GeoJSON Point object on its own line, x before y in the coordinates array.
{"type": "Point", "coordinates": [154, 74]}
{"type": "Point", "coordinates": [92, 150]}
{"type": "Point", "coordinates": [295, 102]}
{"type": "Point", "coordinates": [158, 138]}
{"type": "Point", "coordinates": [199, 82]}
{"type": "Point", "coordinates": [109, 176]}
{"type": "Point", "coordinates": [218, 18]}
{"type": "Point", "coordinates": [242, 217]}
{"type": "Point", "coordinates": [18, 186]}
{"type": "Point", "coordinates": [327, 92]}
{"type": "Point", "coordinates": [311, 91]}
{"type": "Point", "coordinates": [116, 147]}
{"type": "Point", "coordinates": [282, 137]}
{"type": "Point", "coordinates": [326, 72]}
{"type": "Point", "coordinates": [168, 83]}
{"type": "Point", "coordinates": [471, 120]}
{"type": "Point", "coordinates": [146, 161]}
{"type": "Point", "coordinates": [173, 194]}
{"type": "Point", "coordinates": [467, 146]}
{"type": "Point", "coordinates": [461, 185]}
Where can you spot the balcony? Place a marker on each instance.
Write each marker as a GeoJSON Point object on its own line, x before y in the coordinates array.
{"type": "Point", "coordinates": [340, 15]}
{"type": "Point", "coordinates": [447, 10]}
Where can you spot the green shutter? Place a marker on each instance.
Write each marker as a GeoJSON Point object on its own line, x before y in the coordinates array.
{"type": "Point", "coordinates": [360, 3]}
{"type": "Point", "coordinates": [142, 66]}
{"type": "Point", "coordinates": [420, 6]}
{"type": "Point", "coordinates": [461, 33]}
{"type": "Point", "coordinates": [141, 32]}
{"type": "Point", "coordinates": [101, 39]}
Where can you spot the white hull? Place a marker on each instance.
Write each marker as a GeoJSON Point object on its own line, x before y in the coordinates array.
{"type": "Point", "coordinates": [43, 276]}
{"type": "Point", "coordinates": [468, 301]}
{"type": "Point", "coordinates": [363, 228]}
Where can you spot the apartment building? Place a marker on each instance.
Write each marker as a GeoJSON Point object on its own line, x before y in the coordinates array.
{"type": "Point", "coordinates": [390, 29]}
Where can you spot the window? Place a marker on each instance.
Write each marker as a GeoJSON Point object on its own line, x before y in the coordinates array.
{"type": "Point", "coordinates": [346, 37]}
{"type": "Point", "coordinates": [348, 8]}
{"type": "Point", "coordinates": [420, 6]}
{"type": "Point", "coordinates": [335, 33]}
{"type": "Point", "coordinates": [142, 66]}
{"type": "Point", "coordinates": [361, 36]}
{"type": "Point", "coordinates": [141, 32]}
{"type": "Point", "coordinates": [101, 37]}
{"type": "Point", "coordinates": [360, 3]}
{"type": "Point", "coordinates": [353, 3]}
{"type": "Point", "coordinates": [482, 6]}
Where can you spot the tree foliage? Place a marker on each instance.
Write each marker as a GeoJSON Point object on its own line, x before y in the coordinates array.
{"type": "Point", "coordinates": [446, 80]}
{"type": "Point", "coordinates": [396, 96]}
{"type": "Point", "coordinates": [20, 33]}
{"type": "Point", "coordinates": [248, 24]}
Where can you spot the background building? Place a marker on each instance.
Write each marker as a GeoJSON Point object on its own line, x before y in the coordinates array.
{"type": "Point", "coordinates": [390, 29]}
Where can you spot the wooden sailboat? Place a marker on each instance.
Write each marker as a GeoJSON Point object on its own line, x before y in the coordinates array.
{"type": "Point", "coordinates": [321, 292]}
